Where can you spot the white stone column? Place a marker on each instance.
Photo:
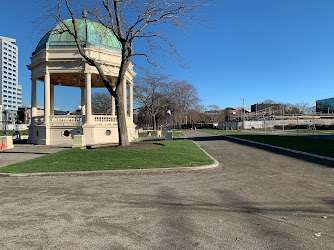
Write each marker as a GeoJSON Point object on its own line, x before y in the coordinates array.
{"type": "Point", "coordinates": [131, 101]}
{"type": "Point", "coordinates": [33, 100]}
{"type": "Point", "coordinates": [124, 97]}
{"type": "Point", "coordinates": [47, 98]}
{"type": "Point", "coordinates": [113, 112]}
{"type": "Point", "coordinates": [52, 101]}
{"type": "Point", "coordinates": [83, 106]}
{"type": "Point", "coordinates": [88, 98]}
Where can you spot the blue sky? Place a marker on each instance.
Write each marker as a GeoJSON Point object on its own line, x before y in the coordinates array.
{"type": "Point", "coordinates": [260, 49]}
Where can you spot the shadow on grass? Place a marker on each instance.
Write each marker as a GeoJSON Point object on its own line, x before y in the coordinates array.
{"type": "Point", "coordinates": [311, 159]}
{"type": "Point", "coordinates": [19, 152]}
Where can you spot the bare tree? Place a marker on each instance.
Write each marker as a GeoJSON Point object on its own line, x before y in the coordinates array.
{"type": "Point", "coordinates": [214, 107]}
{"type": "Point", "coordinates": [183, 97]}
{"type": "Point", "coordinates": [130, 20]}
{"type": "Point", "coordinates": [302, 106]}
{"type": "Point", "coordinates": [150, 95]}
{"type": "Point", "coordinates": [101, 103]}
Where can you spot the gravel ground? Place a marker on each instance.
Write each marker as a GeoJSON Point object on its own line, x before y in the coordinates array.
{"type": "Point", "coordinates": [258, 198]}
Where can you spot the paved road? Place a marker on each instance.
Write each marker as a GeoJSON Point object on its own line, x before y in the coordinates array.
{"type": "Point", "coordinates": [23, 152]}
{"type": "Point", "coordinates": [256, 199]}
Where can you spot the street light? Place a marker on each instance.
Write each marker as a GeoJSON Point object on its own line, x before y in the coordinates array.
{"type": "Point", "coordinates": [169, 113]}
{"type": "Point", "coordinates": [79, 117]}
{"type": "Point", "coordinates": [243, 113]}
{"type": "Point", "coordinates": [5, 118]}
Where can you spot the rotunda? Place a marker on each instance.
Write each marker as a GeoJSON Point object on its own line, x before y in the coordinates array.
{"type": "Point", "coordinates": [56, 62]}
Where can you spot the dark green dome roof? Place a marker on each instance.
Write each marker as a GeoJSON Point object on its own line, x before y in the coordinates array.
{"type": "Point", "coordinates": [90, 34]}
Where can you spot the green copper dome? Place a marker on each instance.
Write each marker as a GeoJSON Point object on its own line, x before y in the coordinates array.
{"type": "Point", "coordinates": [90, 34]}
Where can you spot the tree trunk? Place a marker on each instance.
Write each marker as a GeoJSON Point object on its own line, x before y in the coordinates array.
{"type": "Point", "coordinates": [154, 123]}
{"type": "Point", "coordinates": [121, 115]}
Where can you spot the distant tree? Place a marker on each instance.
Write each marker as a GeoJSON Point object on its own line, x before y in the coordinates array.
{"type": "Point", "coordinates": [150, 95]}
{"type": "Point", "coordinates": [182, 97]}
{"type": "Point", "coordinates": [302, 106]}
{"type": "Point", "coordinates": [214, 107]}
{"type": "Point", "coordinates": [269, 101]}
{"type": "Point", "coordinates": [101, 103]}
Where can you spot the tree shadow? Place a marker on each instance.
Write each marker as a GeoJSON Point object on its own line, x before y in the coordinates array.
{"type": "Point", "coordinates": [175, 226]}
{"type": "Point", "coordinates": [276, 224]}
{"type": "Point", "coordinates": [20, 152]}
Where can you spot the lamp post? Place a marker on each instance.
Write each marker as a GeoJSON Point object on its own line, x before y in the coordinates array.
{"type": "Point", "coordinates": [5, 120]}
{"type": "Point", "coordinates": [79, 117]}
{"type": "Point", "coordinates": [243, 113]}
{"type": "Point", "coordinates": [169, 116]}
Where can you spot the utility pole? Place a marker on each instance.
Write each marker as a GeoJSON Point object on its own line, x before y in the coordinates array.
{"type": "Point", "coordinates": [243, 113]}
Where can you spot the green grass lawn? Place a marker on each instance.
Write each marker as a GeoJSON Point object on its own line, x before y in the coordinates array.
{"type": "Point", "coordinates": [10, 132]}
{"type": "Point", "coordinates": [176, 133]}
{"type": "Point", "coordinates": [317, 146]}
{"type": "Point", "coordinates": [176, 153]}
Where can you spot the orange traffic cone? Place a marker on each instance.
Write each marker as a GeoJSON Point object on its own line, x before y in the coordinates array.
{"type": "Point", "coordinates": [3, 146]}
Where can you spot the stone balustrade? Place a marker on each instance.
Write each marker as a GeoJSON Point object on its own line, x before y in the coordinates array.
{"type": "Point", "coordinates": [66, 120]}
{"type": "Point", "coordinates": [104, 119]}
{"type": "Point", "coordinates": [37, 120]}
{"type": "Point", "coordinates": [75, 120]}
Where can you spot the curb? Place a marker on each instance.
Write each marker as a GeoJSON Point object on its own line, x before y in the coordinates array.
{"type": "Point", "coordinates": [120, 171]}
{"type": "Point", "coordinates": [277, 147]}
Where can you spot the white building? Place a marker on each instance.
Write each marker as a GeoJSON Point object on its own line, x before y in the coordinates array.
{"type": "Point", "coordinates": [10, 90]}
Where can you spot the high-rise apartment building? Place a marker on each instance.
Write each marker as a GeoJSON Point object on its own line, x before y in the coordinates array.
{"type": "Point", "coordinates": [10, 90]}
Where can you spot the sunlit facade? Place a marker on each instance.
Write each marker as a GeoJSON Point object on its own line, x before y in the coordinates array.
{"type": "Point", "coordinates": [11, 91]}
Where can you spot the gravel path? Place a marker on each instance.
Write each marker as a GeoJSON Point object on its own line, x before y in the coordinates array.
{"type": "Point", "coordinates": [258, 198]}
